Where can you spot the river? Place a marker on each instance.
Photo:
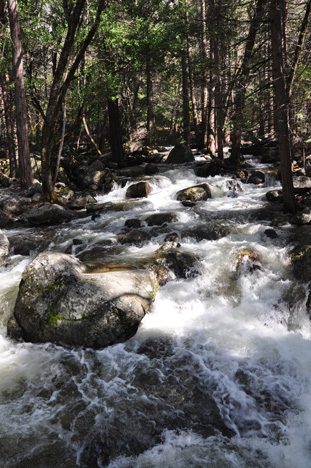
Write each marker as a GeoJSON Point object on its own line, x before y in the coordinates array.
{"type": "Point", "coordinates": [226, 344]}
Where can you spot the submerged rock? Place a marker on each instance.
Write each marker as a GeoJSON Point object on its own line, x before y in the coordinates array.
{"type": "Point", "coordinates": [58, 301]}
{"type": "Point", "coordinates": [248, 260]}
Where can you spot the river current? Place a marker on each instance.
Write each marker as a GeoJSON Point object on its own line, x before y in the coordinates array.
{"type": "Point", "coordinates": [235, 337]}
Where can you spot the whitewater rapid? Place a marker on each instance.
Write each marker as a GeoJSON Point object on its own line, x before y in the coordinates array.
{"type": "Point", "coordinates": [235, 333]}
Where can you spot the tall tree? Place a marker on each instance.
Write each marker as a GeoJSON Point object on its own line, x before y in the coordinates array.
{"type": "Point", "coordinates": [281, 100]}
{"type": "Point", "coordinates": [25, 172]}
{"type": "Point", "coordinates": [242, 81]}
{"type": "Point", "coordinates": [65, 70]}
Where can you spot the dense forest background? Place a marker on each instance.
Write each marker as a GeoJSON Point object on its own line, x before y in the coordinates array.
{"type": "Point", "coordinates": [127, 75]}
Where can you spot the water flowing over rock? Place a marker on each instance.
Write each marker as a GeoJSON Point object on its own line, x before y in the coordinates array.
{"type": "Point", "coordinates": [58, 301]}
{"type": "Point", "coordinates": [139, 190]}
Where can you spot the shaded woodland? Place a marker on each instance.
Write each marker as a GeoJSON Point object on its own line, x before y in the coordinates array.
{"type": "Point", "coordinates": [121, 78]}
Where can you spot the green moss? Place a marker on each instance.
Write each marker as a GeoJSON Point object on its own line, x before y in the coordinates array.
{"type": "Point", "coordinates": [53, 318]}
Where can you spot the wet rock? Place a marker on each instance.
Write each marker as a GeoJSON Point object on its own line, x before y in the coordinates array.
{"type": "Point", "coordinates": [274, 195]}
{"type": "Point", "coordinates": [234, 187]}
{"type": "Point", "coordinates": [4, 247]}
{"type": "Point", "coordinates": [151, 169]}
{"type": "Point", "coordinates": [59, 302]}
{"type": "Point", "coordinates": [49, 215]}
{"type": "Point", "coordinates": [256, 177]}
{"type": "Point", "coordinates": [139, 190]}
{"type": "Point", "coordinates": [94, 254]}
{"type": "Point", "coordinates": [158, 219]}
{"type": "Point", "coordinates": [134, 237]}
{"type": "Point", "coordinates": [195, 193]}
{"type": "Point", "coordinates": [301, 253]}
{"type": "Point", "coordinates": [271, 233]}
{"type": "Point", "coordinates": [180, 154]}
{"type": "Point", "coordinates": [248, 260]}
{"type": "Point", "coordinates": [171, 265]}
{"type": "Point", "coordinates": [26, 243]}
{"type": "Point", "coordinates": [134, 223]}
{"type": "Point", "coordinates": [211, 169]}
{"type": "Point", "coordinates": [4, 219]}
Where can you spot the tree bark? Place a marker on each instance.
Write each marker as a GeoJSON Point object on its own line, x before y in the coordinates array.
{"type": "Point", "coordinates": [185, 98]}
{"type": "Point", "coordinates": [9, 126]}
{"type": "Point", "coordinates": [115, 133]}
{"type": "Point", "coordinates": [150, 105]}
{"type": "Point", "coordinates": [281, 100]}
{"type": "Point", "coordinates": [25, 171]}
{"type": "Point", "coordinates": [299, 47]}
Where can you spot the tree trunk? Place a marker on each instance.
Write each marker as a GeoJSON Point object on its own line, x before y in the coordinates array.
{"type": "Point", "coordinates": [9, 127]}
{"type": "Point", "coordinates": [242, 83]}
{"type": "Point", "coordinates": [25, 172]}
{"type": "Point", "coordinates": [281, 100]}
{"type": "Point", "coordinates": [115, 133]}
{"type": "Point", "coordinates": [150, 106]}
{"type": "Point", "coordinates": [61, 81]}
{"type": "Point", "coordinates": [185, 98]}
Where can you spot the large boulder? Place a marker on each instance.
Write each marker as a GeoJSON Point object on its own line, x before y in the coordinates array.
{"type": "Point", "coordinates": [180, 154]}
{"type": "Point", "coordinates": [195, 193]}
{"type": "Point", "coordinates": [4, 247]}
{"type": "Point", "coordinates": [60, 302]}
{"type": "Point", "coordinates": [47, 215]}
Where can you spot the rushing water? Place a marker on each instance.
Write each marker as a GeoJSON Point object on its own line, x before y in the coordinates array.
{"type": "Point", "coordinates": [225, 340]}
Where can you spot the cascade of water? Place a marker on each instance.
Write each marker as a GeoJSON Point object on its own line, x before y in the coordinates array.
{"type": "Point", "coordinates": [218, 374]}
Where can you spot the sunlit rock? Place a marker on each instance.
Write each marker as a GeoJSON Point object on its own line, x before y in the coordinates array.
{"type": "Point", "coordinates": [195, 193]}
{"type": "Point", "coordinates": [139, 190]}
{"type": "Point", "coordinates": [248, 260]}
{"type": "Point", "coordinates": [60, 302]}
{"type": "Point", "coordinates": [4, 247]}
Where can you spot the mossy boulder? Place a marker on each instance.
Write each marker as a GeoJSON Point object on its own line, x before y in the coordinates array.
{"type": "Point", "coordinates": [195, 193]}
{"type": "Point", "coordinates": [59, 301]}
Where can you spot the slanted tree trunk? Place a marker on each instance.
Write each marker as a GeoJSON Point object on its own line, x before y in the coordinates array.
{"type": "Point", "coordinates": [281, 101]}
{"type": "Point", "coordinates": [115, 133]}
{"type": "Point", "coordinates": [25, 172]}
{"type": "Point", "coordinates": [63, 76]}
{"type": "Point", "coordinates": [242, 82]}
